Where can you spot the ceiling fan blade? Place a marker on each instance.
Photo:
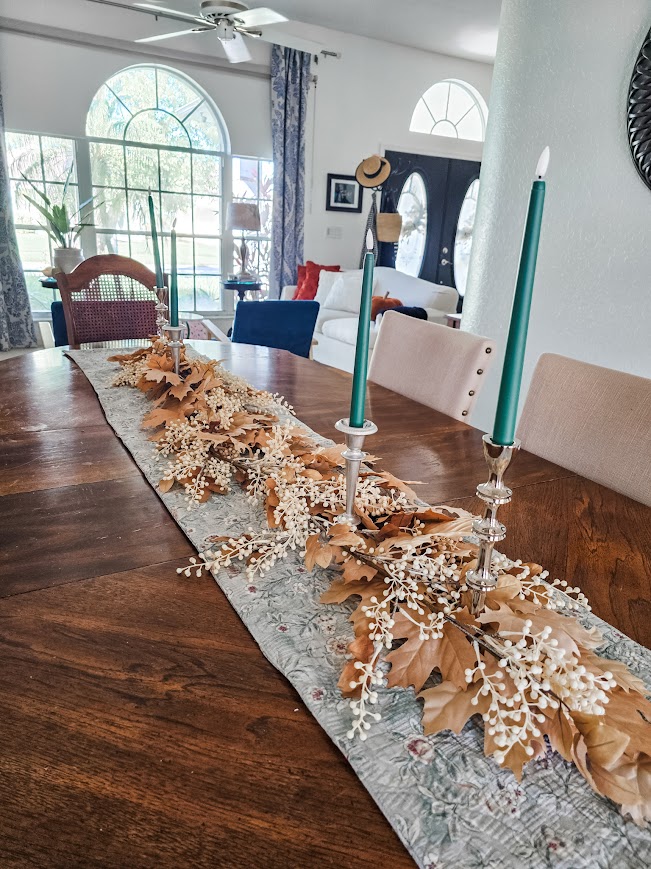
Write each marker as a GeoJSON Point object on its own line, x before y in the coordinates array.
{"type": "Point", "coordinates": [236, 49]}
{"type": "Point", "coordinates": [164, 12]}
{"type": "Point", "coordinates": [172, 35]}
{"type": "Point", "coordinates": [282, 37]}
{"type": "Point", "coordinates": [258, 17]}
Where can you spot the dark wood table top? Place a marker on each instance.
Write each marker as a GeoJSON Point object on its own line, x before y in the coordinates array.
{"type": "Point", "coordinates": [141, 724]}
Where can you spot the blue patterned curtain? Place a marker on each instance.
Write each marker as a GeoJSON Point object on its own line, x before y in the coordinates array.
{"type": "Point", "coordinates": [290, 85]}
{"type": "Point", "coordinates": [16, 324]}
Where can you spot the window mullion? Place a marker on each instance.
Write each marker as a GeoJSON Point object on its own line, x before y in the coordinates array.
{"type": "Point", "coordinates": [84, 192]}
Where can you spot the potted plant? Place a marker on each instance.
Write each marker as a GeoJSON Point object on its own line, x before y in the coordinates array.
{"type": "Point", "coordinates": [63, 228]}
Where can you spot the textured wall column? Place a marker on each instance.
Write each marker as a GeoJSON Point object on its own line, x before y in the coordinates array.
{"type": "Point", "coordinates": [561, 78]}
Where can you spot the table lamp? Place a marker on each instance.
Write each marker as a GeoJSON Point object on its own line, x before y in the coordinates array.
{"type": "Point", "coordinates": [243, 216]}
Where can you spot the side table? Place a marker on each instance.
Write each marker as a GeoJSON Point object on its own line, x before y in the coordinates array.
{"type": "Point", "coordinates": [243, 287]}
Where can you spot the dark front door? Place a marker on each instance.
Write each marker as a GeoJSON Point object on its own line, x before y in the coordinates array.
{"type": "Point", "coordinates": [430, 192]}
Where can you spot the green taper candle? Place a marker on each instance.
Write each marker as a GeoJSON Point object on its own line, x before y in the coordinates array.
{"type": "Point", "coordinates": [507, 402]}
{"type": "Point", "coordinates": [174, 284]}
{"type": "Point", "coordinates": [154, 242]}
{"type": "Point", "coordinates": [358, 398]}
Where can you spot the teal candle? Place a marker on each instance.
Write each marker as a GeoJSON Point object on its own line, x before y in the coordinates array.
{"type": "Point", "coordinates": [358, 398]}
{"type": "Point", "coordinates": [507, 402]}
{"type": "Point", "coordinates": [174, 283]}
{"type": "Point", "coordinates": [154, 243]}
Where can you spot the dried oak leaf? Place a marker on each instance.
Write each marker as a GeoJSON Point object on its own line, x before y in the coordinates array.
{"type": "Point", "coordinates": [388, 481]}
{"type": "Point", "coordinates": [625, 679]}
{"type": "Point", "coordinates": [165, 485]}
{"type": "Point", "coordinates": [448, 707]}
{"type": "Point", "coordinates": [605, 744]}
{"type": "Point", "coordinates": [414, 661]}
{"type": "Point", "coordinates": [569, 633]}
{"type": "Point", "coordinates": [160, 416]}
{"type": "Point", "coordinates": [354, 572]}
{"type": "Point", "coordinates": [340, 591]}
{"type": "Point", "coordinates": [560, 730]}
{"type": "Point", "coordinates": [317, 552]}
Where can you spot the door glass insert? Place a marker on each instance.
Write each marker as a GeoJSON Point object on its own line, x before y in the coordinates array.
{"type": "Point", "coordinates": [463, 238]}
{"type": "Point", "coordinates": [412, 206]}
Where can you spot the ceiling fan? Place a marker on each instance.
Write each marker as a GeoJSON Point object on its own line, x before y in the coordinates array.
{"type": "Point", "coordinates": [231, 20]}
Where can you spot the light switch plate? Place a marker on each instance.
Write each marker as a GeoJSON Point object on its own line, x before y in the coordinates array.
{"type": "Point", "coordinates": [334, 232]}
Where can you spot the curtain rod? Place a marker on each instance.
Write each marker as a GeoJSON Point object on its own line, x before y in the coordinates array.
{"type": "Point", "coordinates": [108, 43]}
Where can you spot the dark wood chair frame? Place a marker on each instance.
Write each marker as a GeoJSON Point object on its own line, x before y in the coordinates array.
{"type": "Point", "coordinates": [94, 267]}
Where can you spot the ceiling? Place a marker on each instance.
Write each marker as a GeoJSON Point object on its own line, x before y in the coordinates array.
{"type": "Point", "coordinates": [463, 28]}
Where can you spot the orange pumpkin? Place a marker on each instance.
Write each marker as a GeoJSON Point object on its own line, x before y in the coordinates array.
{"type": "Point", "coordinates": [380, 304]}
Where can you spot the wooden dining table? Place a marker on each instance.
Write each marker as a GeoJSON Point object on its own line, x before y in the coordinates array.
{"type": "Point", "coordinates": [141, 725]}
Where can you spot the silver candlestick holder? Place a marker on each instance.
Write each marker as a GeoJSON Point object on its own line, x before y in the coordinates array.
{"type": "Point", "coordinates": [175, 343]}
{"type": "Point", "coordinates": [488, 529]}
{"type": "Point", "coordinates": [161, 311]}
{"type": "Point", "coordinates": [354, 456]}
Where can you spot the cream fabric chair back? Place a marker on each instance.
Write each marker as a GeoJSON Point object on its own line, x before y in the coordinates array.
{"type": "Point", "coordinates": [593, 421]}
{"type": "Point", "coordinates": [435, 365]}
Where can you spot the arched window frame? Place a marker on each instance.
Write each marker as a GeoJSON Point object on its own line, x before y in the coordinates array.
{"type": "Point", "coordinates": [478, 102]}
{"type": "Point", "coordinates": [222, 237]}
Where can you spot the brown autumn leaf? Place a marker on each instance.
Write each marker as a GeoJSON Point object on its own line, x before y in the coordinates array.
{"type": "Point", "coordinates": [343, 535]}
{"type": "Point", "coordinates": [625, 679]}
{"type": "Point", "coordinates": [448, 707]}
{"type": "Point", "coordinates": [317, 552]}
{"type": "Point", "coordinates": [349, 674]}
{"type": "Point", "coordinates": [165, 485]}
{"type": "Point", "coordinates": [390, 482]}
{"type": "Point", "coordinates": [340, 591]}
{"type": "Point", "coordinates": [160, 416]}
{"type": "Point", "coordinates": [180, 390]}
{"type": "Point", "coordinates": [362, 649]}
{"type": "Point", "coordinates": [605, 744]}
{"type": "Point", "coordinates": [560, 730]}
{"type": "Point", "coordinates": [412, 662]}
{"type": "Point", "coordinates": [508, 587]}
{"type": "Point", "coordinates": [456, 654]}
{"type": "Point", "coordinates": [354, 572]}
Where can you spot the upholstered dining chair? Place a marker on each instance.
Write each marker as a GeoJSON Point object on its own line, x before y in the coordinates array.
{"type": "Point", "coordinates": [108, 298]}
{"type": "Point", "coordinates": [591, 420]}
{"type": "Point", "coordinates": [275, 323]}
{"type": "Point", "coordinates": [440, 367]}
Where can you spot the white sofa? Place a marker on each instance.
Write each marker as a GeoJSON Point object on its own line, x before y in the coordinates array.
{"type": "Point", "coordinates": [335, 333]}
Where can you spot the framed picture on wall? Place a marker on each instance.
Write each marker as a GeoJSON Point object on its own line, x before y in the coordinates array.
{"type": "Point", "coordinates": [343, 194]}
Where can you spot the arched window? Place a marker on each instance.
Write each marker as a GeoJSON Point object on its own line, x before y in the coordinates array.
{"type": "Point", "coordinates": [451, 108]}
{"type": "Point", "coordinates": [151, 128]}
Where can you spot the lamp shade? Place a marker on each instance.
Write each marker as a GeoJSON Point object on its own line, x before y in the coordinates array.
{"type": "Point", "coordinates": [244, 215]}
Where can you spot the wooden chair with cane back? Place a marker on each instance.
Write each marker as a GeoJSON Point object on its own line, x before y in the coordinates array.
{"type": "Point", "coordinates": [108, 298]}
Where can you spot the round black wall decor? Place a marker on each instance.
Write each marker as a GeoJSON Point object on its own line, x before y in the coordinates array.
{"type": "Point", "coordinates": [639, 112]}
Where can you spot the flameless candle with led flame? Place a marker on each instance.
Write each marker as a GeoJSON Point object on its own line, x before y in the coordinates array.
{"type": "Point", "coordinates": [174, 282]}
{"type": "Point", "coordinates": [507, 403]}
{"type": "Point", "coordinates": [154, 242]}
{"type": "Point", "coordinates": [358, 398]}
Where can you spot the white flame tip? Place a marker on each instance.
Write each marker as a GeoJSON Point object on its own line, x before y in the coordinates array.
{"type": "Point", "coordinates": [369, 240]}
{"type": "Point", "coordinates": [543, 164]}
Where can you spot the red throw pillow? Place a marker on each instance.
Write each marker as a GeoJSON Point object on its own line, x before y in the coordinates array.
{"type": "Point", "coordinates": [311, 282]}
{"type": "Point", "coordinates": [380, 304]}
{"type": "Point", "coordinates": [300, 280]}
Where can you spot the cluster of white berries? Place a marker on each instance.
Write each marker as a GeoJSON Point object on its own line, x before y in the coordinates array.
{"type": "Point", "coordinates": [556, 594]}
{"type": "Point", "coordinates": [131, 372]}
{"type": "Point", "coordinates": [368, 678]}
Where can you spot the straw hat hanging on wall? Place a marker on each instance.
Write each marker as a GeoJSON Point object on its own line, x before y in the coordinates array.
{"type": "Point", "coordinates": [373, 171]}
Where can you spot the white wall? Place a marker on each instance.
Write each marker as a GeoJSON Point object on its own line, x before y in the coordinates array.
{"type": "Point", "coordinates": [561, 78]}
{"type": "Point", "coordinates": [363, 104]}
{"type": "Point", "coordinates": [47, 87]}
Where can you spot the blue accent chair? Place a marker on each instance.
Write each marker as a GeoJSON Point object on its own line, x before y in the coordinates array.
{"type": "Point", "coordinates": [59, 327]}
{"type": "Point", "coordinates": [281, 324]}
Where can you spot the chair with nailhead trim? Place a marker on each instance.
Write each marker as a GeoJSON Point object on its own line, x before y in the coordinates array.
{"type": "Point", "coordinates": [437, 366]}
{"type": "Point", "coordinates": [108, 298]}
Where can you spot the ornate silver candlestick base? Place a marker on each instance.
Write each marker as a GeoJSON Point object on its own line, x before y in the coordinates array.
{"type": "Point", "coordinates": [354, 456]}
{"type": "Point", "coordinates": [493, 493]}
{"type": "Point", "coordinates": [161, 311]}
{"type": "Point", "coordinates": [174, 335]}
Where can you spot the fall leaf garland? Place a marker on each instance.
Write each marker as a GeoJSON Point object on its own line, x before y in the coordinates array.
{"type": "Point", "coordinates": [525, 664]}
